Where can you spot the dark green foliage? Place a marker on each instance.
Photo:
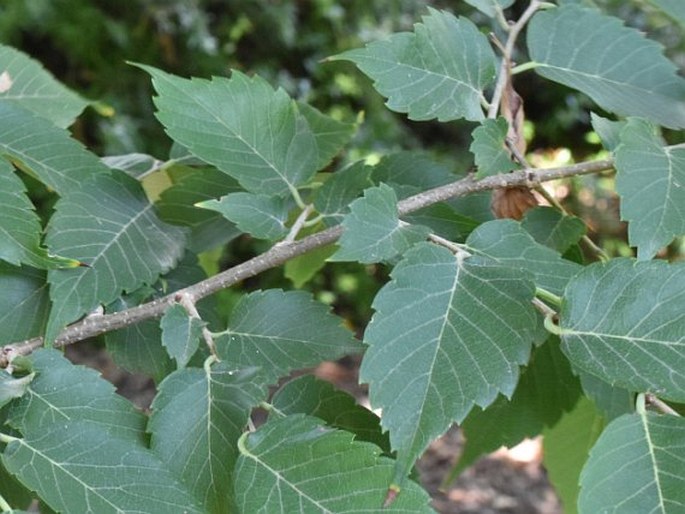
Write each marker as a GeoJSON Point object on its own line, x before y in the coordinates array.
{"type": "Point", "coordinates": [204, 251]}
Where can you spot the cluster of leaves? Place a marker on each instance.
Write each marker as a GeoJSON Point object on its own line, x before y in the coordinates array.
{"type": "Point", "coordinates": [455, 336]}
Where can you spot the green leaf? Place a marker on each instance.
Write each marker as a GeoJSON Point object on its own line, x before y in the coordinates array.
{"type": "Point", "coordinates": [608, 131]}
{"type": "Point", "coordinates": [181, 334]}
{"type": "Point", "coordinates": [636, 466]}
{"type": "Point", "coordinates": [553, 229]}
{"type": "Point", "coordinates": [546, 390]}
{"type": "Point", "coordinates": [177, 205]}
{"type": "Point", "coordinates": [489, 148]}
{"type": "Point", "coordinates": [294, 464]}
{"type": "Point", "coordinates": [24, 303]}
{"type": "Point", "coordinates": [273, 330]}
{"type": "Point", "coordinates": [14, 492]}
{"type": "Point", "coordinates": [489, 7]}
{"type": "Point", "coordinates": [509, 244]}
{"type": "Point", "coordinates": [20, 228]}
{"type": "Point", "coordinates": [417, 170]}
{"type": "Point", "coordinates": [74, 467]}
{"type": "Point", "coordinates": [331, 135]}
{"type": "Point", "coordinates": [139, 349]}
{"type": "Point", "coordinates": [624, 321]}
{"type": "Point", "coordinates": [62, 392]}
{"type": "Point", "coordinates": [261, 216]}
{"type": "Point", "coordinates": [197, 418]}
{"type": "Point", "coordinates": [373, 232]}
{"type": "Point", "coordinates": [621, 70]}
{"type": "Point", "coordinates": [459, 327]}
{"type": "Point", "coordinates": [442, 219]}
{"type": "Point", "coordinates": [240, 125]}
{"type": "Point", "coordinates": [29, 85]}
{"type": "Point", "coordinates": [566, 448]}
{"type": "Point", "coordinates": [611, 401]}
{"type": "Point", "coordinates": [127, 246]}
{"type": "Point", "coordinates": [438, 71]}
{"type": "Point", "coordinates": [34, 144]}
{"type": "Point", "coordinates": [314, 397]}
{"type": "Point", "coordinates": [334, 197]}
{"type": "Point", "coordinates": [651, 182]}
{"type": "Point", "coordinates": [12, 387]}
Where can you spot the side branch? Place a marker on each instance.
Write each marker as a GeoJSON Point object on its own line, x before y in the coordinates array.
{"type": "Point", "coordinates": [504, 72]}
{"type": "Point", "coordinates": [284, 251]}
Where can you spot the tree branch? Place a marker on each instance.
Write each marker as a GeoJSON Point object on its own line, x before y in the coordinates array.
{"type": "Point", "coordinates": [660, 405]}
{"type": "Point", "coordinates": [283, 252]}
{"type": "Point", "coordinates": [504, 71]}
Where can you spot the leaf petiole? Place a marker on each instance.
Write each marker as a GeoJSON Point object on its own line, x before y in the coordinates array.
{"type": "Point", "coordinates": [271, 409]}
{"type": "Point", "coordinates": [640, 404]}
{"type": "Point", "coordinates": [4, 438]}
{"type": "Point", "coordinates": [314, 221]}
{"type": "Point", "coordinates": [296, 196]}
{"type": "Point", "coordinates": [531, 65]}
{"type": "Point", "coordinates": [552, 327]}
{"type": "Point", "coordinates": [547, 296]}
{"type": "Point", "coordinates": [241, 445]}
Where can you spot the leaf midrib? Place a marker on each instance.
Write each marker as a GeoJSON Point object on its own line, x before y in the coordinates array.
{"type": "Point", "coordinates": [212, 114]}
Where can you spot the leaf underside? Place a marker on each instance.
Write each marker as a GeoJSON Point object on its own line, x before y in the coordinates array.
{"type": "Point", "coordinates": [261, 216]}
{"type": "Point", "coordinates": [240, 125]}
{"type": "Point", "coordinates": [489, 150]}
{"type": "Point", "coordinates": [624, 322]}
{"type": "Point", "coordinates": [272, 329]}
{"type": "Point", "coordinates": [437, 71]}
{"type": "Point", "coordinates": [373, 232]}
{"type": "Point", "coordinates": [127, 245]}
{"type": "Point", "coordinates": [424, 328]}
{"type": "Point", "coordinates": [614, 65]}
{"type": "Point", "coordinates": [180, 334]}
{"type": "Point", "coordinates": [34, 88]}
{"type": "Point", "coordinates": [636, 466]}
{"type": "Point", "coordinates": [294, 464]}
{"type": "Point", "coordinates": [651, 182]}
{"type": "Point", "coordinates": [506, 242]}
{"type": "Point", "coordinates": [46, 151]}
{"type": "Point", "coordinates": [60, 465]}
{"type": "Point", "coordinates": [197, 418]}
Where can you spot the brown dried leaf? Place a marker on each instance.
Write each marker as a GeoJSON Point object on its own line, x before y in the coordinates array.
{"type": "Point", "coordinates": [512, 202]}
{"type": "Point", "coordinates": [512, 111]}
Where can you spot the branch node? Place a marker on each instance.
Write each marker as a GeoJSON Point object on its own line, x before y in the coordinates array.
{"type": "Point", "coordinates": [661, 406]}
{"type": "Point", "coordinates": [298, 225]}
{"type": "Point", "coordinates": [186, 300]}
{"type": "Point", "coordinates": [453, 247]}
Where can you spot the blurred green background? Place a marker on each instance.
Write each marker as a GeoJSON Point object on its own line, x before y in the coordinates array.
{"type": "Point", "coordinates": [86, 43]}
